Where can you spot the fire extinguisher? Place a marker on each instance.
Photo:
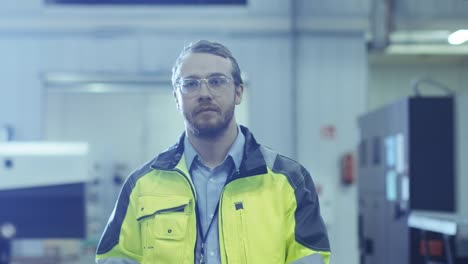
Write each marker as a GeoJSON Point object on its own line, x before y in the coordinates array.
{"type": "Point", "coordinates": [347, 168]}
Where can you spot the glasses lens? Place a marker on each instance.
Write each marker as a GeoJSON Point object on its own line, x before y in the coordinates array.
{"type": "Point", "coordinates": [189, 85]}
{"type": "Point", "coordinates": [192, 85]}
{"type": "Point", "coordinates": [217, 82]}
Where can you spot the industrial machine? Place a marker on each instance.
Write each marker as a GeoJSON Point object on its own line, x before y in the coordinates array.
{"type": "Point", "coordinates": [412, 170]}
{"type": "Point", "coordinates": [42, 192]}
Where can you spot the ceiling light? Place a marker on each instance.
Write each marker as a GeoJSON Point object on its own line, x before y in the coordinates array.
{"type": "Point", "coordinates": [458, 37]}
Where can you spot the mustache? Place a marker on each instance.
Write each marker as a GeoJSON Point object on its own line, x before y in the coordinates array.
{"type": "Point", "coordinates": [206, 107]}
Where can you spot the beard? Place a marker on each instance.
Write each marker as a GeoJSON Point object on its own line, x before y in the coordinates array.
{"type": "Point", "coordinates": [203, 128]}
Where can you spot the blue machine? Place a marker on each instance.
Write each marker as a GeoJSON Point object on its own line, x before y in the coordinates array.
{"type": "Point", "coordinates": [42, 192]}
{"type": "Point", "coordinates": [413, 170]}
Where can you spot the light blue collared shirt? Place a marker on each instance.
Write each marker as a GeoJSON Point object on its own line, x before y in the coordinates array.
{"type": "Point", "coordinates": [208, 184]}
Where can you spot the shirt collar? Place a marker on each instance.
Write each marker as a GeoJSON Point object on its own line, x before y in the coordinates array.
{"type": "Point", "coordinates": [235, 152]}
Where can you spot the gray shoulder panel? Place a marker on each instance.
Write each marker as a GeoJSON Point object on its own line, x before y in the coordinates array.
{"type": "Point", "coordinates": [269, 155]}
{"type": "Point", "coordinates": [310, 229]}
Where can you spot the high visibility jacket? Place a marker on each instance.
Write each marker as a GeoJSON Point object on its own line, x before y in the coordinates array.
{"type": "Point", "coordinates": [268, 213]}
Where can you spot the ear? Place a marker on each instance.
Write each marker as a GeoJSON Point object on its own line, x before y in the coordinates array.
{"type": "Point", "coordinates": [239, 91]}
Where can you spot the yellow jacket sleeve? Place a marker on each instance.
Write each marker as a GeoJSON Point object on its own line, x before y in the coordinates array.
{"type": "Point", "coordinates": [121, 238]}
{"type": "Point", "coordinates": [306, 232]}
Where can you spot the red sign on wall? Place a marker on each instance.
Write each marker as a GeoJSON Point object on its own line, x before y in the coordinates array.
{"type": "Point", "coordinates": [328, 132]}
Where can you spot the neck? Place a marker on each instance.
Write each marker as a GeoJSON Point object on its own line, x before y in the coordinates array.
{"type": "Point", "coordinates": [212, 151]}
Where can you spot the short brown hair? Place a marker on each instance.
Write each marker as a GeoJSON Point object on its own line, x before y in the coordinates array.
{"type": "Point", "coordinates": [205, 46]}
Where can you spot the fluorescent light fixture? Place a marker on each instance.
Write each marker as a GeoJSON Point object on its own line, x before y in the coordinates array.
{"type": "Point", "coordinates": [458, 37]}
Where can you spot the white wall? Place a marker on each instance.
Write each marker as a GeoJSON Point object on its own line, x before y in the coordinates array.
{"type": "Point", "coordinates": [332, 87]}
{"type": "Point", "coordinates": [261, 57]}
{"type": "Point", "coordinates": [20, 106]}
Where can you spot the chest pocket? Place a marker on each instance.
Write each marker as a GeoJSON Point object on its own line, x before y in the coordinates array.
{"type": "Point", "coordinates": [163, 225]}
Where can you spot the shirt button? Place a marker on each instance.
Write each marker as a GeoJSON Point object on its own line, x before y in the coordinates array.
{"type": "Point", "coordinates": [211, 215]}
{"type": "Point", "coordinates": [211, 253]}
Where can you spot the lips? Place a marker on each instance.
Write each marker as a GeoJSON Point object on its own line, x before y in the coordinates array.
{"type": "Point", "coordinates": [205, 109]}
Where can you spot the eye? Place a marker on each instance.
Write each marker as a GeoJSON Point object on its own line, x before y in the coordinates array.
{"type": "Point", "coordinates": [189, 84]}
{"type": "Point", "coordinates": [217, 81]}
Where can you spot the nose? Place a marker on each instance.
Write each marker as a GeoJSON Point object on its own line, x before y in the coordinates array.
{"type": "Point", "coordinates": [204, 89]}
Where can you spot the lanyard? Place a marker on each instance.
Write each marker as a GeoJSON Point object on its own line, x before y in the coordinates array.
{"type": "Point", "coordinates": [204, 236]}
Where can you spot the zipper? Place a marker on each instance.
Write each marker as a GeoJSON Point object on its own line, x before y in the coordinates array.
{"type": "Point", "coordinates": [194, 193]}
{"type": "Point", "coordinates": [188, 181]}
{"type": "Point", "coordinates": [243, 233]}
{"type": "Point", "coordinates": [220, 224]}
{"type": "Point", "coordinates": [220, 217]}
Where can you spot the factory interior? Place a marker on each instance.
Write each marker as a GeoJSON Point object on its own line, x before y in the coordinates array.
{"type": "Point", "coordinates": [370, 96]}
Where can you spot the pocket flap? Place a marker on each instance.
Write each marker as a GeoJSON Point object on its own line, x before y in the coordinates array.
{"type": "Point", "coordinates": [151, 205]}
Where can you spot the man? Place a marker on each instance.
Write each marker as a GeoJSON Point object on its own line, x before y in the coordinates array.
{"type": "Point", "coordinates": [217, 196]}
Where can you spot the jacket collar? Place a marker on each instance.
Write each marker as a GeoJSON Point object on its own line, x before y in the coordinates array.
{"type": "Point", "coordinates": [253, 162]}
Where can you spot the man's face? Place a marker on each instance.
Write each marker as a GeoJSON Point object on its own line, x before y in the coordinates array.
{"type": "Point", "coordinates": [207, 113]}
